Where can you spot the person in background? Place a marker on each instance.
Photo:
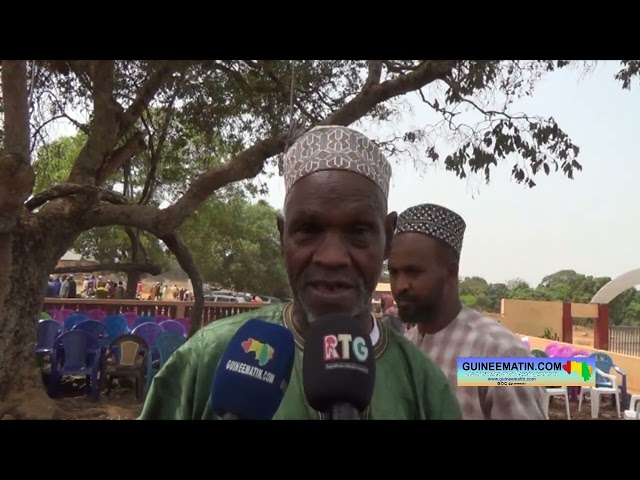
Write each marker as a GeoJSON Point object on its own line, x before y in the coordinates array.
{"type": "Point", "coordinates": [72, 291]}
{"type": "Point", "coordinates": [334, 235]}
{"type": "Point", "coordinates": [64, 287]}
{"type": "Point", "coordinates": [91, 287]}
{"type": "Point", "coordinates": [57, 284]}
{"type": "Point", "coordinates": [390, 314]}
{"type": "Point", "coordinates": [424, 274]}
{"type": "Point", "coordinates": [120, 292]}
{"type": "Point", "coordinates": [51, 287]}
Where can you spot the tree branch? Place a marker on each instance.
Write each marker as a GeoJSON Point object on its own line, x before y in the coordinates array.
{"type": "Point", "coordinates": [134, 146]}
{"type": "Point", "coordinates": [185, 260]}
{"type": "Point", "coordinates": [68, 189]}
{"type": "Point", "coordinates": [375, 72]}
{"type": "Point", "coordinates": [150, 268]}
{"type": "Point", "coordinates": [147, 93]}
{"type": "Point", "coordinates": [104, 127]}
{"type": "Point", "coordinates": [428, 71]}
{"type": "Point", "coordinates": [250, 162]}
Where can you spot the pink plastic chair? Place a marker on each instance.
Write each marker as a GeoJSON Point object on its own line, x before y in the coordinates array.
{"type": "Point", "coordinates": [186, 323]}
{"type": "Point", "coordinates": [552, 349]}
{"type": "Point", "coordinates": [565, 351]}
{"type": "Point", "coordinates": [97, 314]}
{"type": "Point", "coordinates": [131, 318]}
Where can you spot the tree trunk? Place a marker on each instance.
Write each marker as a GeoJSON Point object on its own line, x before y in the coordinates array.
{"type": "Point", "coordinates": [185, 260]}
{"type": "Point", "coordinates": [34, 255]}
{"type": "Point", "coordinates": [133, 277]}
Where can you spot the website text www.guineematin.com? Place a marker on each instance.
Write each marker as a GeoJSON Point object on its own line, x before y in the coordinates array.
{"type": "Point", "coordinates": [513, 373]}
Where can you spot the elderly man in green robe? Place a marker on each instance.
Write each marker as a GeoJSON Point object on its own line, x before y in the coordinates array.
{"type": "Point", "coordinates": [335, 233]}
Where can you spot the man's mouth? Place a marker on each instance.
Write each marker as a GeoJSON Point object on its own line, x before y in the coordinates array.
{"type": "Point", "coordinates": [330, 287]}
{"type": "Point", "coordinates": [402, 304]}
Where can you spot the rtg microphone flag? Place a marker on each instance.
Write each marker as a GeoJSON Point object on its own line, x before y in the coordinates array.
{"type": "Point", "coordinates": [338, 366]}
{"type": "Point", "coordinates": [254, 372]}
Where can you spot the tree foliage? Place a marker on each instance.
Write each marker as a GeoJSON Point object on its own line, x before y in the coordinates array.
{"type": "Point", "coordinates": [235, 244]}
{"type": "Point", "coordinates": [250, 111]}
{"type": "Point", "coordinates": [564, 285]}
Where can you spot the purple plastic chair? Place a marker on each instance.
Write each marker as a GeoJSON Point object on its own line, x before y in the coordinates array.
{"type": "Point", "coordinates": [97, 314]}
{"type": "Point", "coordinates": [186, 323]}
{"type": "Point", "coordinates": [76, 353]}
{"type": "Point", "coordinates": [174, 327]}
{"type": "Point", "coordinates": [149, 332]}
{"type": "Point", "coordinates": [162, 318]}
{"type": "Point", "coordinates": [46, 333]}
{"type": "Point", "coordinates": [580, 353]}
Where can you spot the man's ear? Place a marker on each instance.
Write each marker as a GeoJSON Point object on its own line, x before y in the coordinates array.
{"type": "Point", "coordinates": [389, 230]}
{"type": "Point", "coordinates": [280, 224]}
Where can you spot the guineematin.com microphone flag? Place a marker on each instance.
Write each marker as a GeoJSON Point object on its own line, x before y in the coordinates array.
{"type": "Point", "coordinates": [254, 371]}
{"type": "Point", "coordinates": [526, 372]}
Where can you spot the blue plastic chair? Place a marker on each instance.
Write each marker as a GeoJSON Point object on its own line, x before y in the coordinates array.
{"type": "Point", "coordinates": [165, 344]}
{"type": "Point", "coordinates": [72, 320]}
{"type": "Point", "coordinates": [605, 364]}
{"type": "Point", "coordinates": [76, 353]}
{"type": "Point", "coordinates": [96, 328]}
{"type": "Point", "coordinates": [144, 319]}
{"type": "Point", "coordinates": [173, 326]}
{"type": "Point", "coordinates": [46, 333]}
{"type": "Point", "coordinates": [116, 325]}
{"type": "Point", "coordinates": [539, 354]}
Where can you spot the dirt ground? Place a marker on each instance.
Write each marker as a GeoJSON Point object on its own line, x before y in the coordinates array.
{"type": "Point", "coordinates": [73, 404]}
{"type": "Point", "coordinates": [582, 336]}
{"type": "Point", "coordinates": [121, 404]}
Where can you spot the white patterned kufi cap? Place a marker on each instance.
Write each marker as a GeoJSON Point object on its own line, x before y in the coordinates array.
{"type": "Point", "coordinates": [334, 147]}
{"type": "Point", "coordinates": [435, 221]}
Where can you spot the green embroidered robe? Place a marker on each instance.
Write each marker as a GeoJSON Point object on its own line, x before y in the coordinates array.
{"type": "Point", "coordinates": [408, 385]}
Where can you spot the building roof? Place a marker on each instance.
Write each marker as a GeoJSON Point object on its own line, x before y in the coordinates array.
{"type": "Point", "coordinates": [72, 256]}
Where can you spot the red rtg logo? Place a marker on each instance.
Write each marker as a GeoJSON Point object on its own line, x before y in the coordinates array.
{"type": "Point", "coordinates": [347, 343]}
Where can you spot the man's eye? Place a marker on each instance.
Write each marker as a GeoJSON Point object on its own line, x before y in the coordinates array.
{"type": "Point", "coordinates": [307, 228]}
{"type": "Point", "coordinates": [361, 230]}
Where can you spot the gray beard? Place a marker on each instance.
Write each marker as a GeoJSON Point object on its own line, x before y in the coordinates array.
{"type": "Point", "coordinates": [310, 318]}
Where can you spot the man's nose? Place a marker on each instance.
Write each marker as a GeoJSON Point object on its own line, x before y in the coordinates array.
{"type": "Point", "coordinates": [332, 252]}
{"type": "Point", "coordinates": [399, 284]}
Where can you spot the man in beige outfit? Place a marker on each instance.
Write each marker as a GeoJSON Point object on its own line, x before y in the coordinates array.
{"type": "Point", "coordinates": [423, 268]}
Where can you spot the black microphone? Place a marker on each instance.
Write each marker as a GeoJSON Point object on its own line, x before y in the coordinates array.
{"type": "Point", "coordinates": [338, 367]}
{"type": "Point", "coordinates": [253, 372]}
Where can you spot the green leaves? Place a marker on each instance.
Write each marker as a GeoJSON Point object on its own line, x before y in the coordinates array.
{"type": "Point", "coordinates": [235, 243]}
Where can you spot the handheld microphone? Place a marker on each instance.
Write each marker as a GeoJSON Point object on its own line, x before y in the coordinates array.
{"type": "Point", "coordinates": [253, 372]}
{"type": "Point", "coordinates": [338, 367]}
